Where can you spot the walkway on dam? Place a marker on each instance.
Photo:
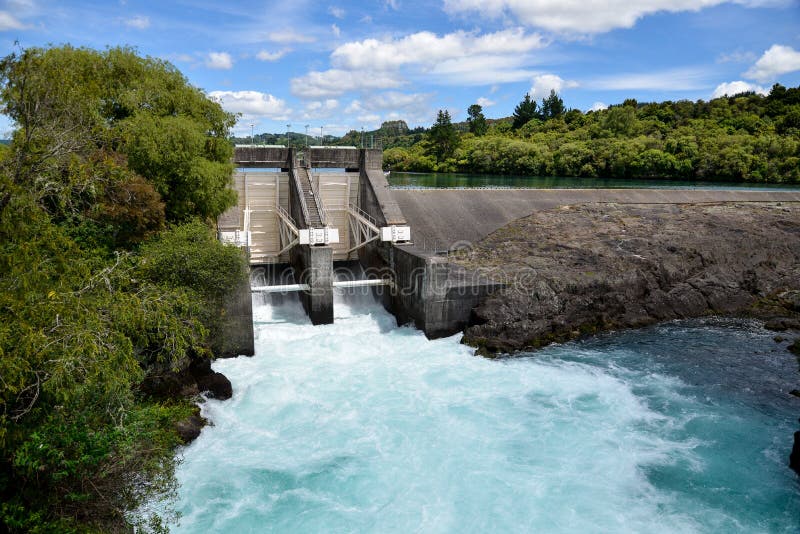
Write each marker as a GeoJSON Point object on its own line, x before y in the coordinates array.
{"type": "Point", "coordinates": [441, 218]}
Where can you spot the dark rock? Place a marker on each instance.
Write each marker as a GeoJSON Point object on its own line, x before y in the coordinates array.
{"type": "Point", "coordinates": [779, 339]}
{"type": "Point", "coordinates": [190, 428]}
{"type": "Point", "coordinates": [216, 385]}
{"type": "Point", "coordinates": [781, 324]}
{"type": "Point", "coordinates": [601, 267]}
{"type": "Point", "coordinates": [795, 392]}
{"type": "Point", "coordinates": [790, 300]}
{"type": "Point", "coordinates": [794, 457]}
{"type": "Point", "coordinates": [794, 348]}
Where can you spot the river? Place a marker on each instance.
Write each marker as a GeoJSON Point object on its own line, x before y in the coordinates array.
{"type": "Point", "coordinates": [362, 426]}
{"type": "Point", "coordinates": [454, 180]}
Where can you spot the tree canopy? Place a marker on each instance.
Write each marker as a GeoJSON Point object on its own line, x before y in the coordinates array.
{"type": "Point", "coordinates": [114, 163]}
{"type": "Point", "coordinates": [139, 116]}
{"type": "Point", "coordinates": [443, 136]}
{"type": "Point", "coordinates": [746, 137]}
{"type": "Point", "coordinates": [525, 112]}
{"type": "Point", "coordinates": [476, 120]}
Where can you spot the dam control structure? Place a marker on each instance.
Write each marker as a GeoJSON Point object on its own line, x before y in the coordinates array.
{"type": "Point", "coordinates": [314, 208]}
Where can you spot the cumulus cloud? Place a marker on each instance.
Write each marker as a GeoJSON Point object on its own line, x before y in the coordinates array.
{"type": "Point", "coordinates": [139, 22]}
{"type": "Point", "coordinates": [335, 82]}
{"type": "Point", "coordinates": [252, 104]}
{"type": "Point", "coordinates": [598, 106]}
{"type": "Point", "coordinates": [336, 30]}
{"type": "Point", "coordinates": [264, 55]}
{"type": "Point", "coordinates": [336, 11]}
{"type": "Point", "coordinates": [219, 60]}
{"type": "Point", "coordinates": [459, 58]}
{"type": "Point", "coordinates": [427, 48]}
{"type": "Point", "coordinates": [734, 88]}
{"type": "Point", "coordinates": [289, 36]}
{"type": "Point", "coordinates": [412, 107]}
{"type": "Point", "coordinates": [544, 83]}
{"type": "Point", "coordinates": [10, 22]}
{"type": "Point", "coordinates": [774, 62]}
{"type": "Point", "coordinates": [580, 16]}
{"type": "Point", "coordinates": [485, 102]}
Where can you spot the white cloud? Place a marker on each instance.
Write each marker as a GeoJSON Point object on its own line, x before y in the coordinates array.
{"type": "Point", "coordinates": [139, 22]}
{"type": "Point", "coordinates": [583, 16]}
{"type": "Point", "coordinates": [736, 57]}
{"type": "Point", "coordinates": [391, 4]}
{"type": "Point", "coordinates": [366, 19]}
{"type": "Point", "coordinates": [598, 106]}
{"type": "Point", "coordinates": [289, 36]}
{"type": "Point", "coordinates": [252, 104]}
{"type": "Point", "coordinates": [734, 88]}
{"type": "Point", "coordinates": [337, 12]}
{"type": "Point", "coordinates": [10, 22]}
{"type": "Point", "coordinates": [426, 48]}
{"type": "Point", "coordinates": [335, 82]}
{"type": "Point", "coordinates": [329, 104]}
{"type": "Point", "coordinates": [219, 60]}
{"type": "Point", "coordinates": [774, 62]}
{"type": "Point", "coordinates": [411, 107]}
{"type": "Point", "coordinates": [544, 83]}
{"type": "Point", "coordinates": [485, 102]}
{"type": "Point", "coordinates": [686, 79]}
{"type": "Point", "coordinates": [263, 55]}
{"type": "Point", "coordinates": [336, 30]}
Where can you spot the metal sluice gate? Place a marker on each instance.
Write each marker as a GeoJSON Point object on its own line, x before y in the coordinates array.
{"type": "Point", "coordinates": [288, 288]}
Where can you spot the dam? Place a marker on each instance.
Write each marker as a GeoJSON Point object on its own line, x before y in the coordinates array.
{"type": "Point", "coordinates": [312, 209]}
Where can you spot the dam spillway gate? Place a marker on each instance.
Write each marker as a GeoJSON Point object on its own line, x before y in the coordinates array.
{"type": "Point", "coordinates": [308, 209]}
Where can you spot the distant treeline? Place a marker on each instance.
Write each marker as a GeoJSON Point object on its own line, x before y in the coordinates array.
{"type": "Point", "coordinates": [746, 137]}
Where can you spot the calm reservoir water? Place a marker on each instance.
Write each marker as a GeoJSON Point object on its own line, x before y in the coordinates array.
{"type": "Point", "coordinates": [447, 180]}
{"type": "Point", "coordinates": [361, 426]}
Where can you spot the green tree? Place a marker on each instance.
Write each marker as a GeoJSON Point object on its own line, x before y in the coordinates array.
{"type": "Point", "coordinates": [109, 147]}
{"type": "Point", "coordinates": [71, 104]}
{"type": "Point", "coordinates": [443, 136]}
{"type": "Point", "coordinates": [476, 120]}
{"type": "Point", "coordinates": [552, 106]}
{"type": "Point", "coordinates": [525, 111]}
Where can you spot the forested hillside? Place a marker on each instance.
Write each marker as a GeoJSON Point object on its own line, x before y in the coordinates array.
{"type": "Point", "coordinates": [111, 281]}
{"type": "Point", "coordinates": [746, 137]}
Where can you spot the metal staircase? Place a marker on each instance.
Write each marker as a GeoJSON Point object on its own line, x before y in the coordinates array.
{"type": "Point", "coordinates": [316, 214]}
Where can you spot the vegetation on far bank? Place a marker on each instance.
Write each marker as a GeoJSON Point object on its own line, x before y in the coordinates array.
{"type": "Point", "coordinates": [747, 137]}
{"type": "Point", "coordinates": [110, 279]}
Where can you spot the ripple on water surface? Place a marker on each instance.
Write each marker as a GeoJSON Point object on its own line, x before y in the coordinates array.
{"type": "Point", "coordinates": [363, 426]}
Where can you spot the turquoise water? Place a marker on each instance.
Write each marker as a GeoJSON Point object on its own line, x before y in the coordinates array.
{"type": "Point", "coordinates": [446, 180]}
{"type": "Point", "coordinates": [362, 426]}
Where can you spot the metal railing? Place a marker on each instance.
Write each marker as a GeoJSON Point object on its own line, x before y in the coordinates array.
{"type": "Point", "coordinates": [317, 199]}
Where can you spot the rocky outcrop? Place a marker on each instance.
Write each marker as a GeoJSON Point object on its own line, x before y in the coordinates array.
{"type": "Point", "coordinates": [189, 429]}
{"type": "Point", "coordinates": [214, 384]}
{"type": "Point", "coordinates": [581, 269]}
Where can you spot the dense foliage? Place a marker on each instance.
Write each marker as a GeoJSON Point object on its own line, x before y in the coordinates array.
{"type": "Point", "coordinates": [746, 137]}
{"type": "Point", "coordinates": [108, 279]}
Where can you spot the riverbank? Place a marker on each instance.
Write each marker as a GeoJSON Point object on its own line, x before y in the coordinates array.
{"type": "Point", "coordinates": [586, 268]}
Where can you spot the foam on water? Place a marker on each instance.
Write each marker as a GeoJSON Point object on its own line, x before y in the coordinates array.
{"type": "Point", "coordinates": [364, 426]}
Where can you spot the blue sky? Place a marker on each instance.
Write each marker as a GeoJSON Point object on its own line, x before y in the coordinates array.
{"type": "Point", "coordinates": [347, 65]}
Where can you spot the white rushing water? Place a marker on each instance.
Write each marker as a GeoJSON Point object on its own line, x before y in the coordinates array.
{"type": "Point", "coordinates": [362, 426]}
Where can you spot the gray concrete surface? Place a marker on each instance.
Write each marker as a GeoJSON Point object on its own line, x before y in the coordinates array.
{"type": "Point", "coordinates": [440, 218]}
